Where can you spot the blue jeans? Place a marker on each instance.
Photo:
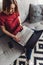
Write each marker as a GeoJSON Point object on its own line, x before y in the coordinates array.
{"type": "Point", "coordinates": [28, 53]}
{"type": "Point", "coordinates": [31, 43]}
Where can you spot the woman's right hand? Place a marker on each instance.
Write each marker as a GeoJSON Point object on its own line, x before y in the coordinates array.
{"type": "Point", "coordinates": [16, 38]}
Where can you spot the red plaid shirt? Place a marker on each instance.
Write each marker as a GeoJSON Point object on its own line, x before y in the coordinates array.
{"type": "Point", "coordinates": [11, 22]}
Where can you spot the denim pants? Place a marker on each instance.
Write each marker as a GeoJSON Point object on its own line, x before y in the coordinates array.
{"type": "Point", "coordinates": [31, 43]}
{"type": "Point", "coordinates": [28, 53]}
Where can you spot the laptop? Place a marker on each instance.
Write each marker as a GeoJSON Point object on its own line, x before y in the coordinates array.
{"type": "Point", "coordinates": [25, 35]}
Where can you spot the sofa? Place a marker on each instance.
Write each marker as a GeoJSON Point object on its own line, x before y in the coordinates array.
{"type": "Point", "coordinates": [35, 15]}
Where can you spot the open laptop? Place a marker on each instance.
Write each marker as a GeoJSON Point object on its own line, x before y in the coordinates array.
{"type": "Point", "coordinates": [25, 35]}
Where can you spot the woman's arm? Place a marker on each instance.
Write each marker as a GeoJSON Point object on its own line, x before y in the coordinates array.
{"type": "Point", "coordinates": [19, 20]}
{"type": "Point", "coordinates": [9, 34]}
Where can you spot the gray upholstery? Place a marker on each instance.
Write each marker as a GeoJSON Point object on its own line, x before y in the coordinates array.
{"type": "Point", "coordinates": [35, 13]}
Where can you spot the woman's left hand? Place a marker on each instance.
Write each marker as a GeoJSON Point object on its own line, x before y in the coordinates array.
{"type": "Point", "coordinates": [21, 27]}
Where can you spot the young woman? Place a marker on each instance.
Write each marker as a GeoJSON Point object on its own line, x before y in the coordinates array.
{"type": "Point", "coordinates": [10, 22]}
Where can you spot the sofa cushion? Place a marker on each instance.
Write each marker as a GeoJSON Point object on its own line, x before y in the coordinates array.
{"type": "Point", "coordinates": [35, 13]}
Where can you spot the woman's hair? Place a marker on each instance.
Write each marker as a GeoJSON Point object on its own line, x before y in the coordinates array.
{"type": "Point", "coordinates": [7, 4]}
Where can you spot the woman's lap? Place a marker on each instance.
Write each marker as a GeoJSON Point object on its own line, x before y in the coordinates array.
{"type": "Point", "coordinates": [31, 43]}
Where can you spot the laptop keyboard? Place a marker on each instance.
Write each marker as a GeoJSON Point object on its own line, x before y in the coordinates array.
{"type": "Point", "coordinates": [25, 36]}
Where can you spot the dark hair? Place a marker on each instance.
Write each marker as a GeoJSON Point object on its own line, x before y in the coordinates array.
{"type": "Point", "coordinates": [7, 3]}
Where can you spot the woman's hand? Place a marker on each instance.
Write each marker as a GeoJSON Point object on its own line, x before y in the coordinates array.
{"type": "Point", "coordinates": [16, 38]}
{"type": "Point", "coordinates": [21, 27]}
